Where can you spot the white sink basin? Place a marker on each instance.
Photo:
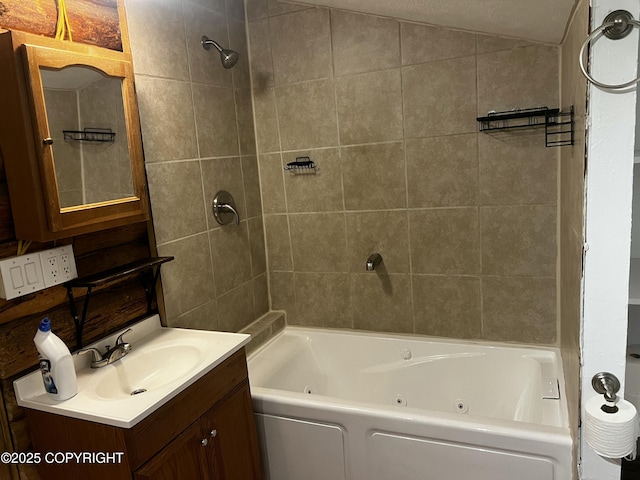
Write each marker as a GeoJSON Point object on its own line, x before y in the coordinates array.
{"type": "Point", "coordinates": [152, 369]}
{"type": "Point", "coordinates": [162, 363]}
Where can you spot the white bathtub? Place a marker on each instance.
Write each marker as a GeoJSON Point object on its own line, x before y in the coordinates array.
{"type": "Point", "coordinates": [333, 405]}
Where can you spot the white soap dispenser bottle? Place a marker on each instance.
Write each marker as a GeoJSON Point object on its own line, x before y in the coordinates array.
{"type": "Point", "coordinates": [56, 363]}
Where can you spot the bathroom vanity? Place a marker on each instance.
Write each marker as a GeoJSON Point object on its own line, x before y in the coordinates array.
{"type": "Point", "coordinates": [204, 431]}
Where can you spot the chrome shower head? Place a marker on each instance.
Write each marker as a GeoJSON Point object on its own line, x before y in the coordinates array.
{"type": "Point", "coordinates": [228, 57]}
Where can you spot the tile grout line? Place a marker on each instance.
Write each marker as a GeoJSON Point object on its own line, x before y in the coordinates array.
{"type": "Point", "coordinates": [282, 172]}
{"type": "Point", "coordinates": [406, 182]}
{"type": "Point", "coordinates": [340, 164]}
{"type": "Point", "coordinates": [258, 154]}
{"type": "Point", "coordinates": [479, 223]}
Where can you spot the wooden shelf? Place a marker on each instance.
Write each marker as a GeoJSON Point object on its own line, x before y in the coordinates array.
{"type": "Point", "coordinates": [101, 278]}
{"type": "Point", "coordinates": [91, 281]}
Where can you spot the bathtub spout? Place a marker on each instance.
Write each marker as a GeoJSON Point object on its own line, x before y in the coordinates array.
{"type": "Point", "coordinates": [373, 261]}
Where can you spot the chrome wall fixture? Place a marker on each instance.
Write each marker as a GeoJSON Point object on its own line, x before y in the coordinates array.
{"type": "Point", "coordinates": [608, 384]}
{"type": "Point", "coordinates": [228, 57]}
{"type": "Point", "coordinates": [224, 208]}
{"type": "Point", "coordinates": [616, 25]}
{"type": "Point", "coordinates": [373, 261]}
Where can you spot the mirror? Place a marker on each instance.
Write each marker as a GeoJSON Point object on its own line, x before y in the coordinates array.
{"type": "Point", "coordinates": [70, 137]}
{"type": "Point", "coordinates": [86, 119]}
{"type": "Point", "coordinates": [87, 139]}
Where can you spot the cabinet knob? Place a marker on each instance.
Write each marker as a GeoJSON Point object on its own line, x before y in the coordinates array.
{"type": "Point", "coordinates": [204, 442]}
{"type": "Point", "coordinates": [213, 433]}
{"type": "Point", "coordinates": [48, 141]}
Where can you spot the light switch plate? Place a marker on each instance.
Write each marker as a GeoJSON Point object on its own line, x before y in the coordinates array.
{"type": "Point", "coordinates": [20, 275]}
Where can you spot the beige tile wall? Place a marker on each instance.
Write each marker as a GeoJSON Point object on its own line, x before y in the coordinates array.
{"type": "Point", "coordinates": [106, 166]}
{"type": "Point", "coordinates": [198, 136]}
{"type": "Point", "coordinates": [465, 222]}
{"type": "Point", "coordinates": [89, 172]}
{"type": "Point", "coordinates": [62, 114]}
{"type": "Point", "coordinates": [573, 92]}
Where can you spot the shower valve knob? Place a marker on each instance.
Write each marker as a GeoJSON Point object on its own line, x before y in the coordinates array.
{"type": "Point", "coordinates": [224, 208]}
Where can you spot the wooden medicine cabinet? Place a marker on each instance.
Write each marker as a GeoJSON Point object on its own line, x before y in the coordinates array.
{"type": "Point", "coordinates": [69, 137]}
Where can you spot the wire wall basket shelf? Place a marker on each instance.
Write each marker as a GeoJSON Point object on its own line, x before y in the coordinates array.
{"type": "Point", "coordinates": [558, 125]}
{"type": "Point", "coordinates": [302, 166]}
{"type": "Point", "coordinates": [93, 135]}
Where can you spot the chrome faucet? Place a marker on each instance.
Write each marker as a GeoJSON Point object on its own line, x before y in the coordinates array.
{"type": "Point", "coordinates": [373, 261]}
{"type": "Point", "coordinates": [114, 354]}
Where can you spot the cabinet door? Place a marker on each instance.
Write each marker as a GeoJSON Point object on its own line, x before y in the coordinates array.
{"type": "Point", "coordinates": [65, 105]}
{"type": "Point", "coordinates": [96, 193]}
{"type": "Point", "coordinates": [231, 426]}
{"type": "Point", "coordinates": [182, 459]}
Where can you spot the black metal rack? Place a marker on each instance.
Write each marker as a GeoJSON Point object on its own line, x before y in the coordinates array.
{"type": "Point", "coordinates": [302, 165]}
{"type": "Point", "coordinates": [89, 282]}
{"type": "Point", "coordinates": [94, 135]}
{"type": "Point", "coordinates": [558, 126]}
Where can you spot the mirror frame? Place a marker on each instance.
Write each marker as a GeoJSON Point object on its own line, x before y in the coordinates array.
{"type": "Point", "coordinates": [125, 210]}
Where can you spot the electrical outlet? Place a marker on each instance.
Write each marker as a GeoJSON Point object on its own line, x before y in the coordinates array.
{"type": "Point", "coordinates": [58, 265]}
{"type": "Point", "coordinates": [20, 275]}
{"type": "Point", "coordinates": [52, 267]}
{"type": "Point", "coordinates": [65, 268]}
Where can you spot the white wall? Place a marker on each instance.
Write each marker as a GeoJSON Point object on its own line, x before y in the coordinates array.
{"type": "Point", "coordinates": [635, 224]}
{"type": "Point", "coordinates": [610, 146]}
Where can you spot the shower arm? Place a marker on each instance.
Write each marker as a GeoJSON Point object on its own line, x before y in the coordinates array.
{"type": "Point", "coordinates": [207, 42]}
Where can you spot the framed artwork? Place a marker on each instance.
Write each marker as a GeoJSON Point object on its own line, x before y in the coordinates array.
{"type": "Point", "coordinates": [95, 22]}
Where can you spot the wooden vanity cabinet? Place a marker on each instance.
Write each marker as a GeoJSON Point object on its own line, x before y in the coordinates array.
{"type": "Point", "coordinates": [215, 447]}
{"type": "Point", "coordinates": [206, 432]}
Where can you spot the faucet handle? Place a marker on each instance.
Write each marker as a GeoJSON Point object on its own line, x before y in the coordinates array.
{"type": "Point", "coordinates": [97, 360]}
{"type": "Point", "coordinates": [97, 356]}
{"type": "Point", "coordinates": [119, 340]}
{"type": "Point", "coordinates": [225, 207]}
